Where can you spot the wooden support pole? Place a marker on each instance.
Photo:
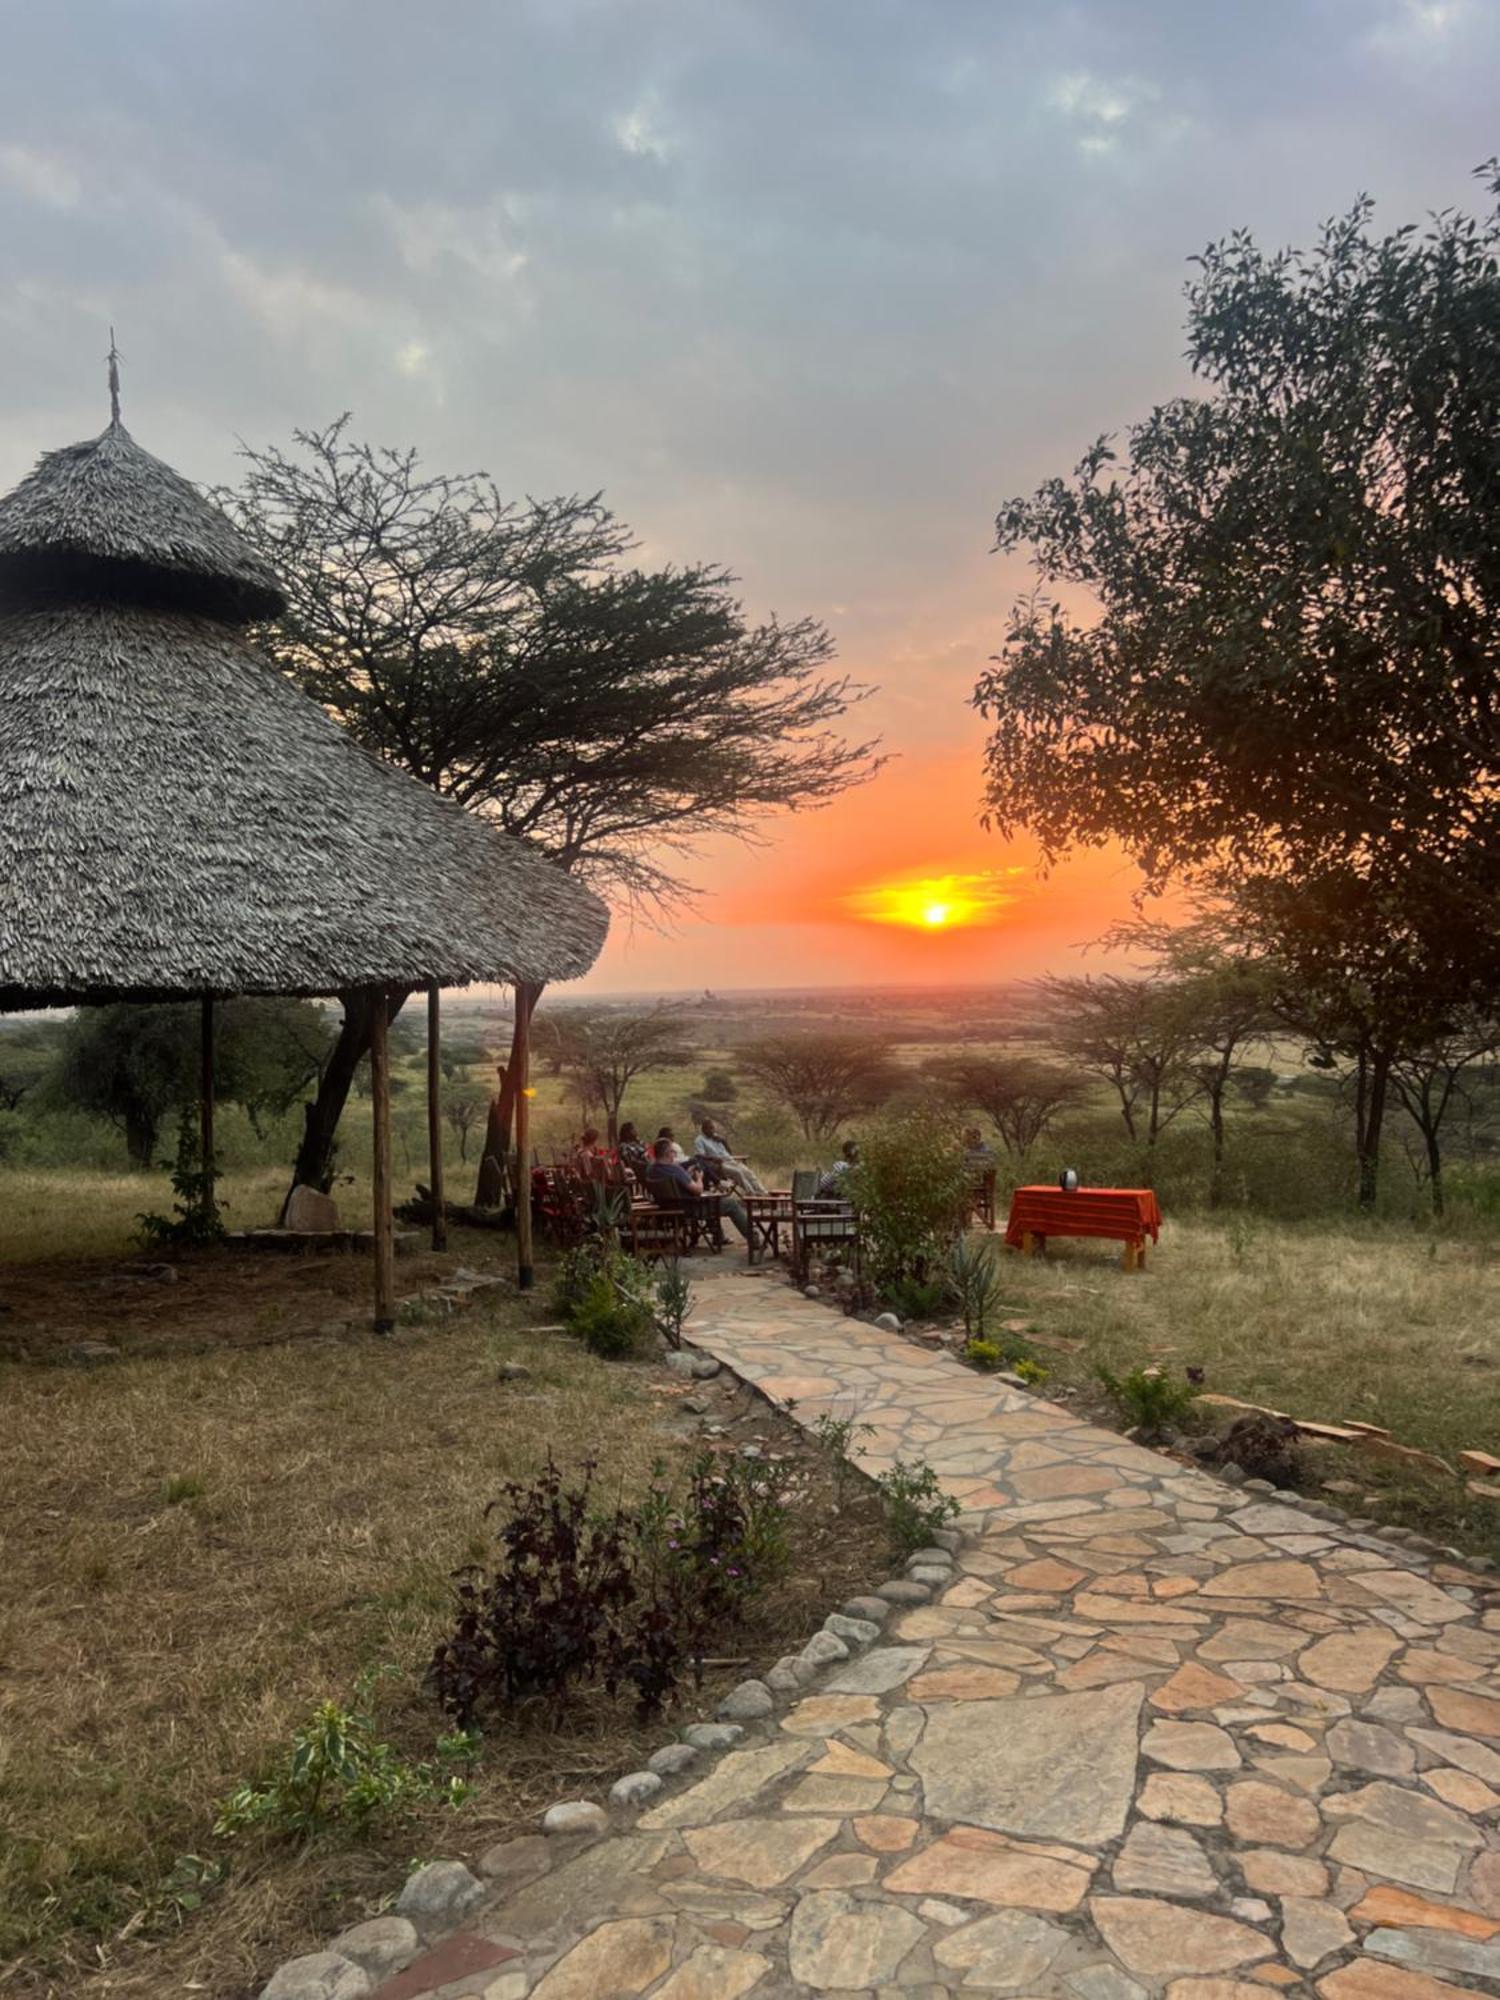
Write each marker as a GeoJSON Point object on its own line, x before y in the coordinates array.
{"type": "Point", "coordinates": [521, 1072]}
{"type": "Point", "coordinates": [384, 1224]}
{"type": "Point", "coordinates": [206, 1104]}
{"type": "Point", "coordinates": [435, 1117]}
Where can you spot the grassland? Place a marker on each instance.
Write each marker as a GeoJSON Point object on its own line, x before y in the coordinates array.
{"type": "Point", "coordinates": [202, 1547]}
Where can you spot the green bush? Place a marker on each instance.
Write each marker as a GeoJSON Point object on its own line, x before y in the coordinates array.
{"type": "Point", "coordinates": [985, 1355]}
{"type": "Point", "coordinates": [918, 1298]}
{"type": "Point", "coordinates": [610, 1320]}
{"type": "Point", "coordinates": [1151, 1401]}
{"type": "Point", "coordinates": [909, 1192]}
{"type": "Point", "coordinates": [916, 1507]}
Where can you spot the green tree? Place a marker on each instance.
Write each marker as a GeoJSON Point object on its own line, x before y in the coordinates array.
{"type": "Point", "coordinates": [1020, 1095]}
{"type": "Point", "coordinates": [824, 1078]}
{"type": "Point", "coordinates": [910, 1192]}
{"type": "Point", "coordinates": [132, 1065]}
{"type": "Point", "coordinates": [1136, 1035]}
{"type": "Point", "coordinates": [1277, 658]}
{"type": "Point", "coordinates": [509, 655]}
{"type": "Point", "coordinates": [602, 1051]}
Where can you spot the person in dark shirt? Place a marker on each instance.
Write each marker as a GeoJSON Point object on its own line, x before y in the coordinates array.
{"type": "Point", "coordinates": [633, 1152]}
{"type": "Point", "coordinates": [673, 1185]}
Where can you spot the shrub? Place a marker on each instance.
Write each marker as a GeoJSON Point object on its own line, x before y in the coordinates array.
{"type": "Point", "coordinates": [607, 1298]}
{"type": "Point", "coordinates": [916, 1507]}
{"type": "Point", "coordinates": [1031, 1372]}
{"type": "Point", "coordinates": [195, 1216]}
{"type": "Point", "coordinates": [974, 1274]}
{"type": "Point", "coordinates": [337, 1772]}
{"type": "Point", "coordinates": [917, 1298]}
{"type": "Point", "coordinates": [719, 1087]}
{"type": "Point", "coordinates": [674, 1301]}
{"type": "Point", "coordinates": [835, 1437]}
{"type": "Point", "coordinates": [909, 1192]}
{"type": "Point", "coordinates": [1263, 1446]}
{"type": "Point", "coordinates": [985, 1355]}
{"type": "Point", "coordinates": [1151, 1401]}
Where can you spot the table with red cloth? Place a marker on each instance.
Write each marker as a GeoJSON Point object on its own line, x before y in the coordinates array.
{"type": "Point", "coordinates": [1128, 1215]}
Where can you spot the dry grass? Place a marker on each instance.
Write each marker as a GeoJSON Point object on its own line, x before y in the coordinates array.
{"type": "Point", "coordinates": [1387, 1324]}
{"type": "Point", "coordinates": [154, 1649]}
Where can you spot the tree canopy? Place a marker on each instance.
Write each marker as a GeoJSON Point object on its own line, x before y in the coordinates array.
{"type": "Point", "coordinates": [824, 1078]}
{"type": "Point", "coordinates": [1262, 641]}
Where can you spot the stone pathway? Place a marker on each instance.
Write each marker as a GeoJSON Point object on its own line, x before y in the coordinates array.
{"type": "Point", "coordinates": [1148, 1734]}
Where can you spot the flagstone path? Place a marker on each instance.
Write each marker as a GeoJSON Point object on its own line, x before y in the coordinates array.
{"type": "Point", "coordinates": [1147, 1734]}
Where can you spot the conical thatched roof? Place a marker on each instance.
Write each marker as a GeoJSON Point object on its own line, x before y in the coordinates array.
{"type": "Point", "coordinates": [105, 517]}
{"type": "Point", "coordinates": [176, 818]}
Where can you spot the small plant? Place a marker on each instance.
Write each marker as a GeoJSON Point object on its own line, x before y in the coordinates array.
{"type": "Point", "coordinates": [1032, 1373]}
{"type": "Point", "coordinates": [609, 1320]}
{"type": "Point", "coordinates": [985, 1355]}
{"type": "Point", "coordinates": [835, 1437]}
{"type": "Point", "coordinates": [338, 1772]}
{"type": "Point", "coordinates": [1151, 1401]}
{"type": "Point", "coordinates": [917, 1298]}
{"type": "Point", "coordinates": [915, 1504]}
{"type": "Point", "coordinates": [180, 1486]}
{"type": "Point", "coordinates": [974, 1275]}
{"type": "Point", "coordinates": [195, 1216]}
{"type": "Point", "coordinates": [181, 1891]}
{"type": "Point", "coordinates": [674, 1301]}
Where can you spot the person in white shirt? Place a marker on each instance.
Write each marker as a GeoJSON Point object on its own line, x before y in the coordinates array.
{"type": "Point", "coordinates": [709, 1145]}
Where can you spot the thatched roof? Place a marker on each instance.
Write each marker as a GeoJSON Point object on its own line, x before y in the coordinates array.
{"type": "Point", "coordinates": [176, 818]}
{"type": "Point", "coordinates": [106, 518]}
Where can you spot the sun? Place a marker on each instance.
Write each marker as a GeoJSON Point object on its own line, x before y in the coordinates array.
{"type": "Point", "coordinates": [936, 902]}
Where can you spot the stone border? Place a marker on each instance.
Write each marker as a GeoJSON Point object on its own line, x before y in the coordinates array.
{"type": "Point", "coordinates": [439, 1895]}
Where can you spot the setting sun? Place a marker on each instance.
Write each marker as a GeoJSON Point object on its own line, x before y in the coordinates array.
{"type": "Point", "coordinates": [936, 903]}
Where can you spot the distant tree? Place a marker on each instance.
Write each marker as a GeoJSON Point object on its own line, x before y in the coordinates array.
{"type": "Point", "coordinates": [132, 1065]}
{"type": "Point", "coordinates": [719, 1087]}
{"type": "Point", "coordinates": [1262, 650]}
{"type": "Point", "coordinates": [1136, 1035]}
{"type": "Point", "coordinates": [602, 1051]}
{"type": "Point", "coordinates": [1020, 1095]}
{"type": "Point", "coordinates": [824, 1079]}
{"type": "Point", "coordinates": [1222, 989]}
{"type": "Point", "coordinates": [1428, 1082]}
{"type": "Point", "coordinates": [507, 655]}
{"type": "Point", "coordinates": [464, 1109]}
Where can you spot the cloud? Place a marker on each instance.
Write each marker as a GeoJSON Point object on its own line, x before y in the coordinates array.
{"type": "Point", "coordinates": [42, 177]}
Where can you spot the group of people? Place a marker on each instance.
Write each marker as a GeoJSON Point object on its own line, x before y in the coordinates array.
{"type": "Point", "coordinates": [670, 1174]}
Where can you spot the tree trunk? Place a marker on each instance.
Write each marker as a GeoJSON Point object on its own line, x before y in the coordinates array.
{"type": "Point", "coordinates": [1373, 1092]}
{"type": "Point", "coordinates": [315, 1156]}
{"type": "Point", "coordinates": [140, 1138]}
{"type": "Point", "coordinates": [502, 1111]}
{"type": "Point", "coordinates": [1434, 1167]}
{"type": "Point", "coordinates": [1216, 1128]}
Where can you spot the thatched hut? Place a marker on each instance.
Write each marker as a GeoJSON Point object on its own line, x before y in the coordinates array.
{"type": "Point", "coordinates": [177, 820]}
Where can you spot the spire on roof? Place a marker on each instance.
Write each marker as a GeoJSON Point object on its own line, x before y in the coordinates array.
{"type": "Point", "coordinates": [114, 380]}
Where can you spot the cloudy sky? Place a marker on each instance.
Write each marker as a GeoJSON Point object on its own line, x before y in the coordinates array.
{"type": "Point", "coordinates": [808, 289]}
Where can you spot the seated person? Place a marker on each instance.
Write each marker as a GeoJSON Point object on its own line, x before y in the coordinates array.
{"type": "Point", "coordinates": [632, 1151]}
{"type": "Point", "coordinates": [588, 1158]}
{"type": "Point", "coordinates": [710, 1146]}
{"type": "Point", "coordinates": [979, 1157]}
{"type": "Point", "coordinates": [831, 1186]}
{"type": "Point", "coordinates": [672, 1185]}
{"type": "Point", "coordinates": [676, 1154]}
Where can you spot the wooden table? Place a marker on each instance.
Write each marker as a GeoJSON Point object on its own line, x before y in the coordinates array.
{"type": "Point", "coordinates": [1127, 1215]}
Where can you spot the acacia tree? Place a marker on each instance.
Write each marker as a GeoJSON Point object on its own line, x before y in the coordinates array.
{"type": "Point", "coordinates": [1285, 669]}
{"type": "Point", "coordinates": [1428, 1082]}
{"type": "Point", "coordinates": [1020, 1095]}
{"type": "Point", "coordinates": [603, 1050]}
{"type": "Point", "coordinates": [823, 1078]}
{"type": "Point", "coordinates": [1136, 1035]}
{"type": "Point", "coordinates": [508, 655]}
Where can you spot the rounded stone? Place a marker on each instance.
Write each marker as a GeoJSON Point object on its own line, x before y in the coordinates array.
{"type": "Point", "coordinates": [940, 1558]}
{"type": "Point", "coordinates": [788, 1676]}
{"type": "Point", "coordinates": [679, 1361]}
{"type": "Point", "coordinates": [748, 1702]}
{"type": "Point", "coordinates": [635, 1789]}
{"type": "Point", "coordinates": [322, 1975]}
{"type": "Point", "coordinates": [380, 1947]}
{"type": "Point", "coordinates": [901, 1590]}
{"type": "Point", "coordinates": [930, 1574]}
{"type": "Point", "coordinates": [811, 1292]}
{"type": "Point", "coordinates": [874, 1610]}
{"type": "Point", "coordinates": [888, 1322]}
{"type": "Point", "coordinates": [573, 1816]}
{"type": "Point", "coordinates": [712, 1735]}
{"type": "Point", "coordinates": [439, 1893]}
{"type": "Point", "coordinates": [705, 1367]}
{"type": "Point", "coordinates": [853, 1631]}
{"type": "Point", "coordinates": [672, 1759]}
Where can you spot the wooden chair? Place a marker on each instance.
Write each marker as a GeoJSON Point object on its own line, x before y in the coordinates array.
{"type": "Point", "coordinates": [818, 1225]}
{"type": "Point", "coordinates": [655, 1235]}
{"type": "Point", "coordinates": [980, 1205]}
{"type": "Point", "coordinates": [766, 1215]}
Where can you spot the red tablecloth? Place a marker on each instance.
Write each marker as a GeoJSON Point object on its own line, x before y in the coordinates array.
{"type": "Point", "coordinates": [1129, 1215]}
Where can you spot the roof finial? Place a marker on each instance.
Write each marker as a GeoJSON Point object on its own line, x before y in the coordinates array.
{"type": "Point", "coordinates": [114, 381]}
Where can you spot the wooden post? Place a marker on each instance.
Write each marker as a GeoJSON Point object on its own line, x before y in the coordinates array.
{"type": "Point", "coordinates": [385, 1228]}
{"type": "Point", "coordinates": [435, 1117]}
{"type": "Point", "coordinates": [206, 1104]}
{"type": "Point", "coordinates": [521, 1073]}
